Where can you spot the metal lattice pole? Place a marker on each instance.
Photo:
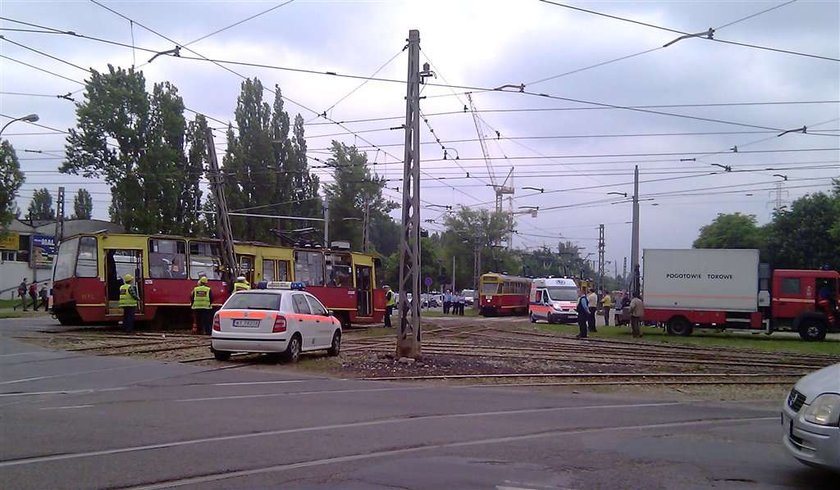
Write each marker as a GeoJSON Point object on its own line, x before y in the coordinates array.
{"type": "Point", "coordinates": [601, 262]}
{"type": "Point", "coordinates": [635, 286]}
{"type": "Point", "coordinates": [222, 217]}
{"type": "Point", "coordinates": [408, 336]}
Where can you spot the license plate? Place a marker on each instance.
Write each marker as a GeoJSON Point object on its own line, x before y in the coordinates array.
{"type": "Point", "coordinates": [246, 323]}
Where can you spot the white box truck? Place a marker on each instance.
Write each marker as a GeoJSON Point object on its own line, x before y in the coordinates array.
{"type": "Point", "coordinates": [727, 288]}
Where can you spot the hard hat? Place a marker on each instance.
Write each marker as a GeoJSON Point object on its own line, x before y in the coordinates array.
{"type": "Point", "coordinates": [202, 280]}
{"type": "Point", "coordinates": [240, 278]}
{"type": "Point", "coordinates": [128, 278]}
{"type": "Point", "coordinates": [386, 286]}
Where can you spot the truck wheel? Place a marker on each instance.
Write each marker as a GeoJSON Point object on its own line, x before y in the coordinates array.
{"type": "Point", "coordinates": [812, 330]}
{"type": "Point", "coordinates": [679, 326]}
{"type": "Point", "coordinates": [532, 318]}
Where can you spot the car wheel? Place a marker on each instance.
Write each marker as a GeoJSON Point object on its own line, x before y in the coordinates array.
{"type": "Point", "coordinates": [532, 318]}
{"type": "Point", "coordinates": [292, 352]}
{"type": "Point", "coordinates": [335, 346]}
{"type": "Point", "coordinates": [812, 330]}
{"type": "Point", "coordinates": [221, 355]}
{"type": "Point", "coordinates": [679, 326]}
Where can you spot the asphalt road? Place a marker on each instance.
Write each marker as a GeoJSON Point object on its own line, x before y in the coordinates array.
{"type": "Point", "coordinates": [72, 421]}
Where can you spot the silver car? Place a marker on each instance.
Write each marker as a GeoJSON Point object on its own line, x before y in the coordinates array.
{"type": "Point", "coordinates": [811, 419]}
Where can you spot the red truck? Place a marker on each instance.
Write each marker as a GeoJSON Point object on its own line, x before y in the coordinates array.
{"type": "Point", "coordinates": [729, 289]}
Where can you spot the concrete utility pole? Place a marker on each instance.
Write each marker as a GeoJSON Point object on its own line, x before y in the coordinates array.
{"type": "Point", "coordinates": [366, 227]}
{"type": "Point", "coordinates": [217, 182]}
{"type": "Point", "coordinates": [635, 286]}
{"type": "Point", "coordinates": [408, 337]}
{"type": "Point", "coordinates": [59, 217]}
{"type": "Point", "coordinates": [601, 256]}
{"type": "Point", "coordinates": [326, 223]}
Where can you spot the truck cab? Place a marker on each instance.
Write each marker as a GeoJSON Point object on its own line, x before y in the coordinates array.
{"type": "Point", "coordinates": [806, 301]}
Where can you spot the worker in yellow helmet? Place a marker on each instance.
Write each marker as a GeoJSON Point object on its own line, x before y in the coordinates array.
{"type": "Point", "coordinates": [129, 298]}
{"type": "Point", "coordinates": [202, 305]}
{"type": "Point", "coordinates": [390, 302]}
{"type": "Point", "coordinates": [241, 284]}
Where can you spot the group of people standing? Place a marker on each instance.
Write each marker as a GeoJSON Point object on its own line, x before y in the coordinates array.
{"type": "Point", "coordinates": [201, 302]}
{"type": "Point", "coordinates": [587, 307]}
{"type": "Point", "coordinates": [454, 303]}
{"type": "Point", "coordinates": [38, 297]}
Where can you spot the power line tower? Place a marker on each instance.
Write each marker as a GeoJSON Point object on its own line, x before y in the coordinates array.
{"type": "Point", "coordinates": [635, 282]}
{"type": "Point", "coordinates": [408, 337]}
{"type": "Point", "coordinates": [779, 196]}
{"type": "Point", "coordinates": [229, 264]}
{"type": "Point", "coordinates": [601, 256]}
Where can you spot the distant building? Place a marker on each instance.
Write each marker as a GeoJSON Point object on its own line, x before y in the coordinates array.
{"type": "Point", "coordinates": [28, 249]}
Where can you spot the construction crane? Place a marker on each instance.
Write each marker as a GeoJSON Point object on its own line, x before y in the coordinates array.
{"type": "Point", "coordinates": [499, 189]}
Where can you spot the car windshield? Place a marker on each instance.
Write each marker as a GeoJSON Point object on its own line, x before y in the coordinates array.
{"type": "Point", "coordinates": [253, 301]}
{"type": "Point", "coordinates": [562, 294]}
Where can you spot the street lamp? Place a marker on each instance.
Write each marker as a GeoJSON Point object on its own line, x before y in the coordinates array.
{"type": "Point", "coordinates": [617, 193]}
{"type": "Point", "coordinates": [28, 118]}
{"type": "Point", "coordinates": [538, 189]}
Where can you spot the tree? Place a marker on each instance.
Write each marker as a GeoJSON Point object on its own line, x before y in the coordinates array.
{"type": "Point", "coordinates": [733, 230]}
{"type": "Point", "coordinates": [805, 237]}
{"type": "Point", "coordinates": [82, 205]}
{"type": "Point", "coordinates": [135, 141]}
{"type": "Point", "coordinates": [11, 178]}
{"type": "Point", "coordinates": [41, 206]}
{"type": "Point", "coordinates": [472, 237]}
{"type": "Point", "coordinates": [248, 162]}
{"type": "Point", "coordinates": [353, 190]}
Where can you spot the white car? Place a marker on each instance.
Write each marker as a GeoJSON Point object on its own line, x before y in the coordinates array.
{"type": "Point", "coordinates": [811, 419]}
{"type": "Point", "coordinates": [277, 321]}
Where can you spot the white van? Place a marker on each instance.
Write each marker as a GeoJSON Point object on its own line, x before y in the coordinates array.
{"type": "Point", "coordinates": [553, 299]}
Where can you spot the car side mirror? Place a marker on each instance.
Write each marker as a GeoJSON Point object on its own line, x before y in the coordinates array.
{"type": "Point", "coordinates": [330, 313]}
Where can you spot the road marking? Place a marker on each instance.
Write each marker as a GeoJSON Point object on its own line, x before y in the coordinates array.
{"type": "Point", "coordinates": [26, 353]}
{"type": "Point", "coordinates": [299, 430]}
{"type": "Point", "coordinates": [38, 378]}
{"type": "Point", "coordinates": [247, 383]}
{"type": "Point", "coordinates": [296, 393]}
{"type": "Point", "coordinates": [60, 392]}
{"type": "Point", "coordinates": [394, 452]}
{"type": "Point", "coordinates": [68, 407]}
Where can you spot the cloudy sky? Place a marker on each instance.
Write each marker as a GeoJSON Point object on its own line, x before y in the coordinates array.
{"type": "Point", "coordinates": [576, 132]}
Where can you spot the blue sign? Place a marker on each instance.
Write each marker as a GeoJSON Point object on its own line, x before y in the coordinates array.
{"type": "Point", "coordinates": [43, 251]}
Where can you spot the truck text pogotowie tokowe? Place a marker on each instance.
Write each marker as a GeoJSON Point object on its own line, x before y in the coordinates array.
{"type": "Point", "coordinates": [722, 288]}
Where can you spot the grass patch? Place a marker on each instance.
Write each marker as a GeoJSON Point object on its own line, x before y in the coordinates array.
{"type": "Point", "coordinates": [778, 342]}
{"type": "Point", "coordinates": [11, 303]}
{"type": "Point", "coordinates": [10, 314]}
{"type": "Point", "coordinates": [468, 311]}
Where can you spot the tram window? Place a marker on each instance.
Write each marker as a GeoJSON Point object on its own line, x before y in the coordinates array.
{"type": "Point", "coordinates": [66, 259]}
{"type": "Point", "coordinates": [268, 271]}
{"type": "Point", "coordinates": [338, 270]}
{"type": "Point", "coordinates": [490, 288]}
{"type": "Point", "coordinates": [205, 257]}
{"type": "Point", "coordinates": [309, 268]}
{"type": "Point", "coordinates": [283, 270]}
{"type": "Point", "coordinates": [86, 265]}
{"type": "Point", "coordinates": [167, 259]}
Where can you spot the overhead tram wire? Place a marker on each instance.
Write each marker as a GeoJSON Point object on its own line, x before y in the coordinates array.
{"type": "Point", "coordinates": [87, 70]}
{"type": "Point", "coordinates": [364, 82]}
{"type": "Point", "coordinates": [551, 109]}
{"type": "Point", "coordinates": [474, 89]}
{"type": "Point", "coordinates": [683, 33]}
{"type": "Point", "coordinates": [204, 58]}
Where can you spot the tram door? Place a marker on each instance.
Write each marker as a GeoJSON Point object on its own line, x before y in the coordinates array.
{"type": "Point", "coordinates": [118, 263]}
{"type": "Point", "coordinates": [364, 291]}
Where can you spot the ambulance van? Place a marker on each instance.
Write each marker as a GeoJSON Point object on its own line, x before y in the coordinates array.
{"type": "Point", "coordinates": [553, 300]}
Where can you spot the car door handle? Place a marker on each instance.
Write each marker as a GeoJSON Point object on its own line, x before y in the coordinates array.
{"type": "Point", "coordinates": [317, 321]}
